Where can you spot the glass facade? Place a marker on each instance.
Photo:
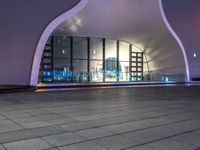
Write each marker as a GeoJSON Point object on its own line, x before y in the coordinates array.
{"type": "Point", "coordinates": [110, 60]}
{"type": "Point", "coordinates": [82, 59]}
{"type": "Point", "coordinates": [96, 60]}
{"type": "Point", "coordinates": [124, 61]}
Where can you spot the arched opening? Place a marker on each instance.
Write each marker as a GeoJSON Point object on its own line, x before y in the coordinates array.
{"type": "Point", "coordinates": [70, 54]}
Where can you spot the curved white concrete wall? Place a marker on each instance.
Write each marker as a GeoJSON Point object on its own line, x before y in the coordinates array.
{"type": "Point", "coordinates": [22, 23]}
{"type": "Point", "coordinates": [26, 27]}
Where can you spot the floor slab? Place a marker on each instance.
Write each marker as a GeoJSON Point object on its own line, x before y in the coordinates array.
{"type": "Point", "coordinates": [142, 118]}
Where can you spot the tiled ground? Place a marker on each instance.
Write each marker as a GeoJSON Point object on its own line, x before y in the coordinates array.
{"type": "Point", "coordinates": [156, 118]}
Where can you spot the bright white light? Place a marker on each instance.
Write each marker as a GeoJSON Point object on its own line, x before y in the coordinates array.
{"type": "Point", "coordinates": [78, 21]}
{"type": "Point", "coordinates": [194, 55]}
{"type": "Point", "coordinates": [166, 79]}
{"type": "Point", "coordinates": [63, 51]}
{"type": "Point", "coordinates": [73, 28]}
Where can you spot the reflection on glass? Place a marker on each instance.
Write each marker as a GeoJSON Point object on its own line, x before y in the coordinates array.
{"type": "Point", "coordinates": [80, 48]}
{"type": "Point", "coordinates": [124, 71]}
{"type": "Point", "coordinates": [47, 54]}
{"type": "Point", "coordinates": [111, 60]}
{"type": "Point", "coordinates": [124, 58]}
{"type": "Point", "coordinates": [111, 49]}
{"type": "Point", "coordinates": [61, 47]}
{"type": "Point", "coordinates": [47, 47]}
{"type": "Point", "coordinates": [61, 71]}
{"type": "Point", "coordinates": [47, 60]}
{"type": "Point", "coordinates": [96, 71]}
{"type": "Point", "coordinates": [124, 51]}
{"type": "Point", "coordinates": [80, 70]}
{"type": "Point", "coordinates": [96, 49]}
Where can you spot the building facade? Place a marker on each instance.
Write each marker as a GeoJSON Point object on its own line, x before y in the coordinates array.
{"type": "Point", "coordinates": [92, 41]}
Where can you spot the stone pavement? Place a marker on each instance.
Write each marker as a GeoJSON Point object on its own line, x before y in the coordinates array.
{"type": "Point", "coordinates": [146, 118]}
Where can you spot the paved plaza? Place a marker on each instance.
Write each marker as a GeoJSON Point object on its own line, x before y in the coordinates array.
{"type": "Point", "coordinates": [146, 118]}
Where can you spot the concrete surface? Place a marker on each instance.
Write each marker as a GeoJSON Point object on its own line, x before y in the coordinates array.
{"type": "Point", "coordinates": [145, 118]}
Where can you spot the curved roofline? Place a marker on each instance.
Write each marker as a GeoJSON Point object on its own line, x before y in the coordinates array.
{"type": "Point", "coordinates": [177, 39]}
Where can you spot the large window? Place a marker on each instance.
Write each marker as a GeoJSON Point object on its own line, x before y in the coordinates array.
{"type": "Point", "coordinates": [124, 61]}
{"type": "Point", "coordinates": [61, 59]}
{"type": "Point", "coordinates": [61, 70]}
{"type": "Point", "coordinates": [111, 60]}
{"type": "Point", "coordinates": [96, 60]}
{"type": "Point", "coordinates": [80, 59]}
{"type": "Point", "coordinates": [61, 47]}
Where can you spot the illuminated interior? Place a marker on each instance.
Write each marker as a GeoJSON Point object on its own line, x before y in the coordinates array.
{"type": "Point", "coordinates": [83, 59]}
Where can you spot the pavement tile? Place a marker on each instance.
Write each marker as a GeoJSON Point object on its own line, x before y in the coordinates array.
{"type": "Point", "coordinates": [192, 138]}
{"type": "Point", "coordinates": [61, 121]}
{"type": "Point", "coordinates": [83, 146]}
{"type": "Point", "coordinates": [10, 127]}
{"type": "Point", "coordinates": [35, 124]}
{"type": "Point", "coordinates": [26, 120]}
{"type": "Point", "coordinates": [94, 133]}
{"type": "Point", "coordinates": [32, 144]}
{"type": "Point", "coordinates": [168, 144]}
{"type": "Point", "coordinates": [142, 136]}
{"type": "Point", "coordinates": [5, 122]}
{"type": "Point", "coordinates": [30, 133]}
{"type": "Point", "coordinates": [63, 139]}
{"type": "Point", "coordinates": [114, 142]}
{"type": "Point", "coordinates": [142, 147]}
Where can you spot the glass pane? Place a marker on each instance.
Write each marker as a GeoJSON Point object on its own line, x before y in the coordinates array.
{"type": "Point", "coordinates": [134, 64]}
{"type": "Point", "coordinates": [80, 48]}
{"type": "Point", "coordinates": [47, 67]}
{"type": "Point", "coordinates": [96, 73]}
{"type": "Point", "coordinates": [79, 70]}
{"type": "Point", "coordinates": [96, 49]}
{"type": "Point", "coordinates": [134, 59]}
{"type": "Point", "coordinates": [139, 59]}
{"type": "Point", "coordinates": [47, 54]}
{"type": "Point", "coordinates": [123, 51]}
{"type": "Point", "coordinates": [134, 69]}
{"type": "Point", "coordinates": [139, 64]}
{"type": "Point", "coordinates": [61, 71]}
{"type": "Point", "coordinates": [111, 49]}
{"type": "Point", "coordinates": [124, 71]}
{"type": "Point", "coordinates": [111, 60]}
{"type": "Point", "coordinates": [61, 47]}
{"type": "Point", "coordinates": [139, 54]}
{"type": "Point", "coordinates": [139, 69]}
{"type": "Point", "coordinates": [47, 60]}
{"type": "Point", "coordinates": [47, 47]}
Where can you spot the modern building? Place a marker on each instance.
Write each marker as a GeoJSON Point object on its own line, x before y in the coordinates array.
{"type": "Point", "coordinates": [84, 41]}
